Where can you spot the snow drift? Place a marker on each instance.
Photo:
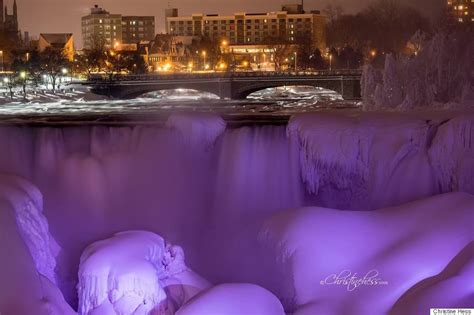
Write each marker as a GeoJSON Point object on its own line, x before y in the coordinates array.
{"type": "Point", "coordinates": [234, 299]}
{"type": "Point", "coordinates": [340, 260]}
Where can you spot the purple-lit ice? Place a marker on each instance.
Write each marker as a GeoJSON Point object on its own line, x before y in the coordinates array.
{"type": "Point", "coordinates": [332, 252]}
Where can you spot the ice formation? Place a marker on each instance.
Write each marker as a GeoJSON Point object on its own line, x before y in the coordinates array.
{"type": "Point", "coordinates": [340, 260]}
{"type": "Point", "coordinates": [440, 73]}
{"type": "Point", "coordinates": [180, 283]}
{"type": "Point", "coordinates": [198, 130]}
{"type": "Point", "coordinates": [97, 180]}
{"type": "Point", "coordinates": [452, 154]}
{"type": "Point", "coordinates": [32, 224]}
{"type": "Point", "coordinates": [234, 299]}
{"type": "Point", "coordinates": [329, 153]}
{"type": "Point", "coordinates": [28, 253]}
{"type": "Point", "coordinates": [135, 272]}
{"type": "Point", "coordinates": [121, 274]}
{"type": "Point", "coordinates": [363, 158]}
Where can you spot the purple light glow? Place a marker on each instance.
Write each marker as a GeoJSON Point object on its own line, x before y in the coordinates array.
{"type": "Point", "coordinates": [210, 189]}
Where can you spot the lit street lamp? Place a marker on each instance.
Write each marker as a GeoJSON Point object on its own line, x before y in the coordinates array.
{"type": "Point", "coordinates": [23, 77]}
{"type": "Point", "coordinates": [330, 62]}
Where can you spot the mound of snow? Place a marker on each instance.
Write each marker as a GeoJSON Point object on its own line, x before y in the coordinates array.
{"type": "Point", "coordinates": [122, 273]}
{"type": "Point", "coordinates": [453, 286]}
{"type": "Point", "coordinates": [198, 130]}
{"type": "Point", "coordinates": [28, 253]}
{"type": "Point", "coordinates": [342, 259]}
{"type": "Point", "coordinates": [180, 283]}
{"type": "Point", "coordinates": [234, 299]}
{"type": "Point", "coordinates": [135, 272]}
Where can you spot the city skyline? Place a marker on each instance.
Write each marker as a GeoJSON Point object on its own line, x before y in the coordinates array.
{"type": "Point", "coordinates": [35, 16]}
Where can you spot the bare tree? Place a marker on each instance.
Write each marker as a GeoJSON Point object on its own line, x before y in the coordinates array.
{"type": "Point", "coordinates": [280, 49]}
{"type": "Point", "coordinates": [53, 61]}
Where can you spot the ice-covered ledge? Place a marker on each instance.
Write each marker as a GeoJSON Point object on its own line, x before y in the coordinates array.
{"type": "Point", "coordinates": [28, 251]}
{"type": "Point", "coordinates": [368, 155]}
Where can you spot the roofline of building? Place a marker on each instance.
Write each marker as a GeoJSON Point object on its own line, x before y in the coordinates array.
{"type": "Point", "coordinates": [253, 15]}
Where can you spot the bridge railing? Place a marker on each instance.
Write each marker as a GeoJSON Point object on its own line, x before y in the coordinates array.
{"type": "Point", "coordinates": [101, 78]}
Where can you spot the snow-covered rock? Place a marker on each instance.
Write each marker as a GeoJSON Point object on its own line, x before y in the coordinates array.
{"type": "Point", "coordinates": [180, 283]}
{"type": "Point", "coordinates": [233, 299]}
{"type": "Point", "coordinates": [135, 272]}
{"type": "Point", "coordinates": [122, 273]}
{"type": "Point", "coordinates": [28, 251]}
{"type": "Point", "coordinates": [341, 260]}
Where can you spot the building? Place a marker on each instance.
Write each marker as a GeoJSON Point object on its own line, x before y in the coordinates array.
{"type": "Point", "coordinates": [460, 12]}
{"type": "Point", "coordinates": [9, 23]}
{"type": "Point", "coordinates": [290, 25]}
{"type": "Point", "coordinates": [137, 28]}
{"type": "Point", "coordinates": [166, 52]}
{"type": "Point", "coordinates": [60, 41]}
{"type": "Point", "coordinates": [170, 12]}
{"type": "Point", "coordinates": [101, 28]}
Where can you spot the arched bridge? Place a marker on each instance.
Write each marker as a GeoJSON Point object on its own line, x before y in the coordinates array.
{"type": "Point", "coordinates": [232, 85]}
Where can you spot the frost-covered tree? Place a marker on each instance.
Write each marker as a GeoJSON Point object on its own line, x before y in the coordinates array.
{"type": "Point", "coordinates": [442, 72]}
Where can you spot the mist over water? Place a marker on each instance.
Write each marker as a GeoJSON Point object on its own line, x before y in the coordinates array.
{"type": "Point", "coordinates": [74, 103]}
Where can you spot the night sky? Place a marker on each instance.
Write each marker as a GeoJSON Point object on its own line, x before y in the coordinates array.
{"type": "Point", "coordinates": [43, 16]}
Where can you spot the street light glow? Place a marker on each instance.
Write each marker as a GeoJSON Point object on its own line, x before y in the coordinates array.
{"type": "Point", "coordinates": [23, 75]}
{"type": "Point", "coordinates": [64, 71]}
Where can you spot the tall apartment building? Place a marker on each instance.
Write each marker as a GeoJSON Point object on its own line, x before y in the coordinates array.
{"type": "Point", "coordinates": [114, 30]}
{"type": "Point", "coordinates": [290, 24]}
{"type": "Point", "coordinates": [137, 28]}
{"type": "Point", "coordinates": [460, 11]}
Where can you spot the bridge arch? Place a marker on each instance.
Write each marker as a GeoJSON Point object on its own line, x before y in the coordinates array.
{"type": "Point", "coordinates": [245, 90]}
{"type": "Point", "coordinates": [133, 91]}
{"type": "Point", "coordinates": [184, 93]}
{"type": "Point", "coordinates": [297, 91]}
{"type": "Point", "coordinates": [233, 86]}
